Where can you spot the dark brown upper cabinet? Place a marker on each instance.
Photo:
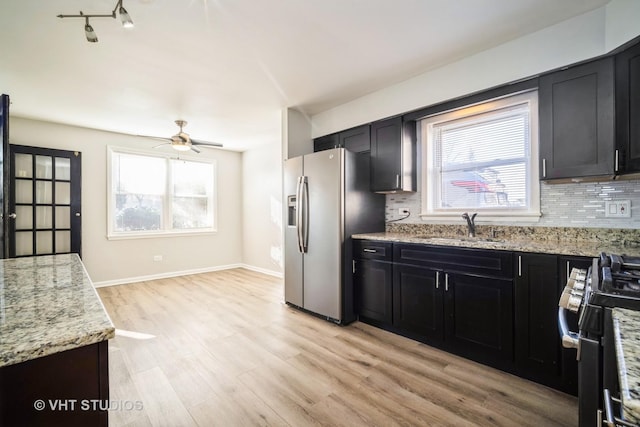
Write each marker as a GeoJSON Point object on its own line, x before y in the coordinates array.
{"type": "Point", "coordinates": [576, 108]}
{"type": "Point", "coordinates": [355, 139]}
{"type": "Point", "coordinates": [628, 109]}
{"type": "Point", "coordinates": [326, 142]}
{"type": "Point", "coordinates": [393, 156]}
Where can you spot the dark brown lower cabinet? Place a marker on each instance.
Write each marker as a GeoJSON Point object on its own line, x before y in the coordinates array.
{"type": "Point", "coordinates": [61, 389]}
{"type": "Point", "coordinates": [373, 284]}
{"type": "Point", "coordinates": [536, 319]}
{"type": "Point", "coordinates": [478, 317]}
{"type": "Point", "coordinates": [418, 301]}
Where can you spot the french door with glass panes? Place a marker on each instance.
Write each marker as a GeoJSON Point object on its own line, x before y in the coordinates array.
{"type": "Point", "coordinates": [44, 201]}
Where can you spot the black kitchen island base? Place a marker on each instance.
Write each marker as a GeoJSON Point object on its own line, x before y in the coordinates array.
{"type": "Point", "coordinates": [69, 388]}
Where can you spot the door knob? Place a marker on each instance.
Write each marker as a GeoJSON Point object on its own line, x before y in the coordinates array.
{"type": "Point", "coordinates": [77, 213]}
{"type": "Point", "coordinates": [13, 216]}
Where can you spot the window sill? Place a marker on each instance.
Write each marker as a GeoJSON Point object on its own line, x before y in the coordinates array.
{"type": "Point", "coordinates": [161, 234]}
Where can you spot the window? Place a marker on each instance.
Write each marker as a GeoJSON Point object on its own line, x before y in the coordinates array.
{"type": "Point", "coordinates": [156, 194]}
{"type": "Point", "coordinates": [483, 158]}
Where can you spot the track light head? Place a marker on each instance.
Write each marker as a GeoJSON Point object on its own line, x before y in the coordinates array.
{"type": "Point", "coordinates": [124, 17]}
{"type": "Point", "coordinates": [88, 31]}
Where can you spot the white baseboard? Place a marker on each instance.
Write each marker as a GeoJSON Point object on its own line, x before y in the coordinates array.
{"type": "Point", "coordinates": [165, 275]}
{"type": "Point", "coordinates": [185, 273]}
{"type": "Point", "coordinates": [273, 273]}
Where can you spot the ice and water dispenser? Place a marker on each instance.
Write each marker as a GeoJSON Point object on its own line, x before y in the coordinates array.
{"type": "Point", "coordinates": [291, 211]}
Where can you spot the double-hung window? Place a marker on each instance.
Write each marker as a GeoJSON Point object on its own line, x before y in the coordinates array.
{"type": "Point", "coordinates": [482, 158]}
{"type": "Point", "coordinates": [152, 195]}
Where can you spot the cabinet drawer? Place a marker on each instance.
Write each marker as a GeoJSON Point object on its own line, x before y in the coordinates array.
{"type": "Point", "coordinates": [483, 262]}
{"type": "Point", "coordinates": [372, 249]}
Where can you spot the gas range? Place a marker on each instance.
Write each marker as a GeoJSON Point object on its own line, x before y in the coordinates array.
{"type": "Point", "coordinates": [614, 282]}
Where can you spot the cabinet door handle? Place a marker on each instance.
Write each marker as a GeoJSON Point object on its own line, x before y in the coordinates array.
{"type": "Point", "coordinates": [446, 282]}
{"type": "Point", "coordinates": [568, 270]}
{"type": "Point", "coordinates": [437, 279]}
{"type": "Point", "coordinates": [617, 166]}
{"type": "Point", "coordinates": [544, 168]}
{"type": "Point", "coordinates": [371, 251]}
{"type": "Point", "coordinates": [353, 266]}
{"type": "Point", "coordinates": [398, 181]}
{"type": "Point", "coordinates": [519, 265]}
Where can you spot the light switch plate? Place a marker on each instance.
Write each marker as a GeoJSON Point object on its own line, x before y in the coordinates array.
{"type": "Point", "coordinates": [617, 209]}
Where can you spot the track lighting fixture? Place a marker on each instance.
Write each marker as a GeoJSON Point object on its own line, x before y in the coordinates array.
{"type": "Point", "coordinates": [88, 29]}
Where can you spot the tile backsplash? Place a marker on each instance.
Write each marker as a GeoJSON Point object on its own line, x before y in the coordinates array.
{"type": "Point", "coordinates": [562, 205]}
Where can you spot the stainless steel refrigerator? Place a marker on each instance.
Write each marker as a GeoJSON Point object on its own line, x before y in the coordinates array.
{"type": "Point", "coordinates": [327, 199]}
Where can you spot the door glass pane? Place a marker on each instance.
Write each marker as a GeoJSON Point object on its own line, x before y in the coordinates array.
{"type": "Point", "coordinates": [44, 217]}
{"type": "Point", "coordinates": [43, 192]}
{"type": "Point", "coordinates": [44, 242]}
{"type": "Point", "coordinates": [24, 165]}
{"type": "Point", "coordinates": [63, 168]}
{"type": "Point", "coordinates": [24, 243]}
{"type": "Point", "coordinates": [24, 217]}
{"type": "Point", "coordinates": [44, 167]}
{"type": "Point", "coordinates": [24, 191]}
{"type": "Point", "coordinates": [63, 217]}
{"type": "Point", "coordinates": [63, 241]}
{"type": "Point", "coordinates": [63, 193]}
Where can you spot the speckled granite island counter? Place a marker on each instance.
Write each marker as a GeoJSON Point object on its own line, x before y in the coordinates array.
{"type": "Point", "coordinates": [626, 325]}
{"type": "Point", "coordinates": [53, 341]}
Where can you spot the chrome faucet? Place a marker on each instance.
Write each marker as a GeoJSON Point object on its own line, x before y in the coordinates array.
{"type": "Point", "coordinates": [470, 223]}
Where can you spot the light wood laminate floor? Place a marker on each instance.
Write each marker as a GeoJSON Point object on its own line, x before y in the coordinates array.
{"type": "Point", "coordinates": [223, 349]}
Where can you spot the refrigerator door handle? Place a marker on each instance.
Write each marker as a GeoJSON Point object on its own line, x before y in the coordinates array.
{"type": "Point", "coordinates": [305, 214]}
{"type": "Point", "coordinates": [299, 213]}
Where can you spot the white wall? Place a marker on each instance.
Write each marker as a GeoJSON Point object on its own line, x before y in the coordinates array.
{"type": "Point", "coordinates": [623, 17]}
{"type": "Point", "coordinates": [296, 134]}
{"type": "Point", "coordinates": [580, 38]}
{"type": "Point", "coordinates": [262, 208]}
{"type": "Point", "coordinates": [116, 261]}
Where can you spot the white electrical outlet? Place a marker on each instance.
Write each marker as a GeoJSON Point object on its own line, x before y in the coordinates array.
{"type": "Point", "coordinates": [157, 258]}
{"type": "Point", "coordinates": [617, 209]}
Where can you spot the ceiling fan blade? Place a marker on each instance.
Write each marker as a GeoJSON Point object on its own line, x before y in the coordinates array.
{"type": "Point", "coordinates": [155, 137]}
{"type": "Point", "coordinates": [160, 145]}
{"type": "Point", "coordinates": [205, 143]}
{"type": "Point", "coordinates": [195, 149]}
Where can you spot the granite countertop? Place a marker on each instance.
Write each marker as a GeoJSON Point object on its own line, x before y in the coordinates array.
{"type": "Point", "coordinates": [48, 305]}
{"type": "Point", "coordinates": [557, 246]}
{"type": "Point", "coordinates": [626, 325]}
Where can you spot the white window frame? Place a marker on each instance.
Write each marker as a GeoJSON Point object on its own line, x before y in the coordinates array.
{"type": "Point", "coordinates": [429, 171]}
{"type": "Point", "coordinates": [165, 232]}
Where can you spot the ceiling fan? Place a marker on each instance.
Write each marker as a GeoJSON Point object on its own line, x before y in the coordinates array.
{"type": "Point", "coordinates": [183, 142]}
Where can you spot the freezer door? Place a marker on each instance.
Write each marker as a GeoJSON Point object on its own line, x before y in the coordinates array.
{"type": "Point", "coordinates": [322, 293]}
{"type": "Point", "coordinates": [293, 267]}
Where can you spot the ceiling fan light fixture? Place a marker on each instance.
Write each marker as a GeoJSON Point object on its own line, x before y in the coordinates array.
{"type": "Point", "coordinates": [181, 146]}
{"type": "Point", "coordinates": [182, 142]}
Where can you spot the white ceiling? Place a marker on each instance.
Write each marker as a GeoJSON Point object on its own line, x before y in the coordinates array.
{"type": "Point", "coordinates": [229, 67]}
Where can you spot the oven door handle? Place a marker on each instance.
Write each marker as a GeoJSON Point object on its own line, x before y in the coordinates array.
{"type": "Point", "coordinates": [609, 414]}
{"type": "Point", "coordinates": [569, 339]}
